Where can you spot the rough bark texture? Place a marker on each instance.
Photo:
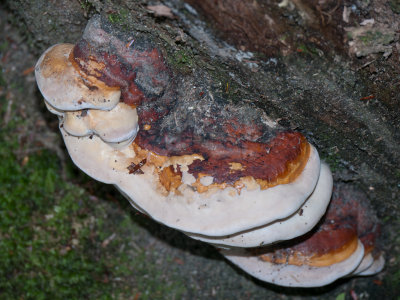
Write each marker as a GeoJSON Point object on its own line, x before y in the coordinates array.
{"type": "Point", "coordinates": [307, 73]}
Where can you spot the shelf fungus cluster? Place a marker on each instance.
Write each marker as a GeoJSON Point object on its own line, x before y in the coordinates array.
{"type": "Point", "coordinates": [85, 104]}
{"type": "Point", "coordinates": [342, 244]}
{"type": "Point", "coordinates": [220, 172]}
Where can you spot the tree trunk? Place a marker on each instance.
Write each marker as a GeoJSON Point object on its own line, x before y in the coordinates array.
{"type": "Point", "coordinates": [309, 65]}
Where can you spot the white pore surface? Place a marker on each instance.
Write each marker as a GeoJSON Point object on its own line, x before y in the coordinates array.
{"type": "Point", "coordinates": [221, 213]}
{"type": "Point", "coordinates": [299, 223]}
{"type": "Point", "coordinates": [375, 268]}
{"type": "Point", "coordinates": [291, 275]}
{"type": "Point", "coordinates": [112, 126]}
{"type": "Point", "coordinates": [65, 90]}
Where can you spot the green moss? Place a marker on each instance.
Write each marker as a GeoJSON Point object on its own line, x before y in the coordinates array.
{"type": "Point", "coordinates": [86, 5]}
{"type": "Point", "coordinates": [333, 160]}
{"type": "Point", "coordinates": [341, 296]}
{"type": "Point", "coordinates": [2, 81]}
{"type": "Point", "coordinates": [331, 155]}
{"type": "Point", "coordinates": [349, 35]}
{"type": "Point", "coordinates": [392, 281]}
{"type": "Point", "coordinates": [37, 256]}
{"type": "Point", "coordinates": [3, 46]}
{"type": "Point", "coordinates": [302, 48]}
{"type": "Point", "coordinates": [114, 18]}
{"type": "Point", "coordinates": [184, 58]}
{"type": "Point", "coordinates": [307, 49]}
{"type": "Point", "coordinates": [181, 60]}
{"type": "Point", "coordinates": [376, 37]}
{"type": "Point", "coordinates": [395, 6]}
{"type": "Point", "coordinates": [119, 17]}
{"type": "Point", "coordinates": [52, 233]}
{"type": "Point", "coordinates": [283, 37]}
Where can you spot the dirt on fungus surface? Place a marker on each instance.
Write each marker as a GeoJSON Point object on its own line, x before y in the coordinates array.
{"type": "Point", "coordinates": [201, 269]}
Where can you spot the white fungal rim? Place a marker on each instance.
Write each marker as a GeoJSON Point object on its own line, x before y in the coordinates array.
{"type": "Point", "coordinates": [293, 226]}
{"type": "Point", "coordinates": [291, 275]}
{"type": "Point", "coordinates": [375, 268]}
{"type": "Point", "coordinates": [218, 214]}
{"type": "Point", "coordinates": [65, 90]}
{"type": "Point", "coordinates": [366, 262]}
{"type": "Point", "coordinates": [114, 126]}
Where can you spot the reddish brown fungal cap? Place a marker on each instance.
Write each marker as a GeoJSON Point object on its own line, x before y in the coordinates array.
{"type": "Point", "coordinates": [219, 132]}
{"type": "Point", "coordinates": [354, 202]}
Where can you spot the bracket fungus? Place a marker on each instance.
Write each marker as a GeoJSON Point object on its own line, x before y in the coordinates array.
{"type": "Point", "coordinates": [218, 171]}
{"type": "Point", "coordinates": [84, 104]}
{"type": "Point", "coordinates": [213, 159]}
{"type": "Point", "coordinates": [114, 126]}
{"type": "Point", "coordinates": [343, 244]}
{"type": "Point", "coordinates": [66, 88]}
